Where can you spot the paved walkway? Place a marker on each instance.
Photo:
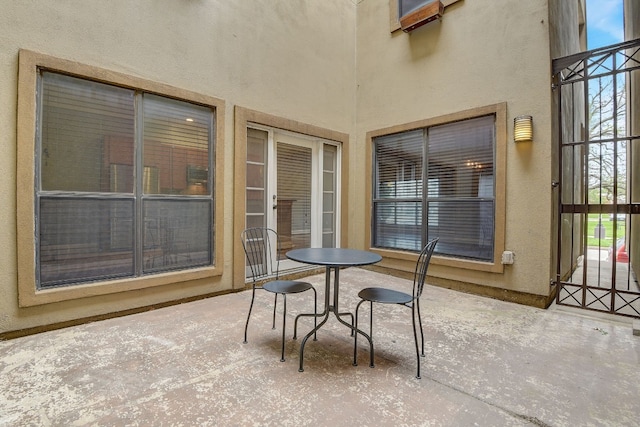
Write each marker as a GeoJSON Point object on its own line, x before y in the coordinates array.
{"type": "Point", "coordinates": [488, 363]}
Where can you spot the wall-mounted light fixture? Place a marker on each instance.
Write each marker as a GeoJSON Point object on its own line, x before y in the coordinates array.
{"type": "Point", "coordinates": [523, 129]}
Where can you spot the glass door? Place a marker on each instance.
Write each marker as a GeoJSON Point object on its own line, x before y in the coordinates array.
{"type": "Point", "coordinates": [292, 187]}
{"type": "Point", "coordinates": [294, 203]}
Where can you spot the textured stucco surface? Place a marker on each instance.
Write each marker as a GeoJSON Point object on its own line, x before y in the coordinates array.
{"type": "Point", "coordinates": [488, 363]}
{"type": "Point", "coordinates": [480, 53]}
{"type": "Point", "coordinates": [290, 59]}
{"type": "Point", "coordinates": [332, 64]}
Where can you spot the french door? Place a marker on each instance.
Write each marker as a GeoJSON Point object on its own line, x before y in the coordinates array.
{"type": "Point", "coordinates": [292, 186]}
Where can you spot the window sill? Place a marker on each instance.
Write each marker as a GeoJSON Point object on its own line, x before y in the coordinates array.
{"type": "Point", "coordinates": [47, 296]}
{"type": "Point", "coordinates": [467, 264]}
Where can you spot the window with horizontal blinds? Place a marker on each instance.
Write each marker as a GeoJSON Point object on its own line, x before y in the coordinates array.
{"type": "Point", "coordinates": [461, 158]}
{"type": "Point", "coordinates": [176, 143]}
{"type": "Point", "coordinates": [455, 190]}
{"type": "Point", "coordinates": [77, 116]}
{"type": "Point", "coordinates": [85, 239]}
{"type": "Point", "coordinates": [398, 198]}
{"type": "Point", "coordinates": [123, 182]}
{"type": "Point", "coordinates": [294, 192]}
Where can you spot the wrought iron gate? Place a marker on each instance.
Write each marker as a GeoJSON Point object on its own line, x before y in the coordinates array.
{"type": "Point", "coordinates": [598, 124]}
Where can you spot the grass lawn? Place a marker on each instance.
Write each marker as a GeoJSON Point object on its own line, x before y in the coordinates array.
{"type": "Point", "coordinates": [594, 219]}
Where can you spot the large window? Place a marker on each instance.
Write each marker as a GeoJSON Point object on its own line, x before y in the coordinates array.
{"type": "Point", "coordinates": [123, 182]}
{"type": "Point", "coordinates": [437, 181]}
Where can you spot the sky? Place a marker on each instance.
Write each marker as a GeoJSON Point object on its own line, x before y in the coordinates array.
{"type": "Point", "coordinates": [604, 23]}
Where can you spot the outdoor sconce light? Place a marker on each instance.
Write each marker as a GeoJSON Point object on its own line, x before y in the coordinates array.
{"type": "Point", "coordinates": [523, 129]}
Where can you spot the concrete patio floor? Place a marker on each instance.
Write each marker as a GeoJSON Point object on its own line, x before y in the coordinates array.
{"type": "Point", "coordinates": [488, 363]}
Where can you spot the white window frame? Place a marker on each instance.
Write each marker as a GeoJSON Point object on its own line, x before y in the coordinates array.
{"type": "Point", "coordinates": [317, 146]}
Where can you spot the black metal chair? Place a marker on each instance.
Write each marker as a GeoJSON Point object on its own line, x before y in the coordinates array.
{"type": "Point", "coordinates": [390, 296]}
{"type": "Point", "coordinates": [263, 250]}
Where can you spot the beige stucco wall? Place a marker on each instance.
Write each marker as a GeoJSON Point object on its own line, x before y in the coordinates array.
{"type": "Point", "coordinates": [332, 64]}
{"type": "Point", "coordinates": [482, 52]}
{"type": "Point", "coordinates": [291, 59]}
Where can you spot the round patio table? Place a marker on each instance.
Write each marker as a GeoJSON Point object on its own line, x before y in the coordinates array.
{"type": "Point", "coordinates": [333, 259]}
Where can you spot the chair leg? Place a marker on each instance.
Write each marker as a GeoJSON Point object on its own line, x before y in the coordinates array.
{"type": "Point", "coordinates": [315, 313]}
{"type": "Point", "coordinates": [355, 339]}
{"type": "Point", "coordinates": [371, 322]}
{"type": "Point", "coordinates": [275, 303]}
{"type": "Point", "coordinates": [315, 317]}
{"type": "Point", "coordinates": [284, 323]}
{"type": "Point", "coordinates": [371, 334]}
{"type": "Point", "coordinates": [246, 326]}
{"type": "Point", "coordinates": [415, 338]}
{"type": "Point", "coordinates": [421, 330]}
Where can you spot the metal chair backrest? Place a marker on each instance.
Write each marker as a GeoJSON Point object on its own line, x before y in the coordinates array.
{"type": "Point", "coordinates": [421, 267]}
{"type": "Point", "coordinates": [262, 248]}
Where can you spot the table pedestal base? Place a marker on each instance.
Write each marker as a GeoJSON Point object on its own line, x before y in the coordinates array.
{"type": "Point", "coordinates": [325, 315]}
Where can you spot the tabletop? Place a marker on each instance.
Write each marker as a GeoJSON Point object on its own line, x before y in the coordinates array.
{"type": "Point", "coordinates": [334, 257]}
